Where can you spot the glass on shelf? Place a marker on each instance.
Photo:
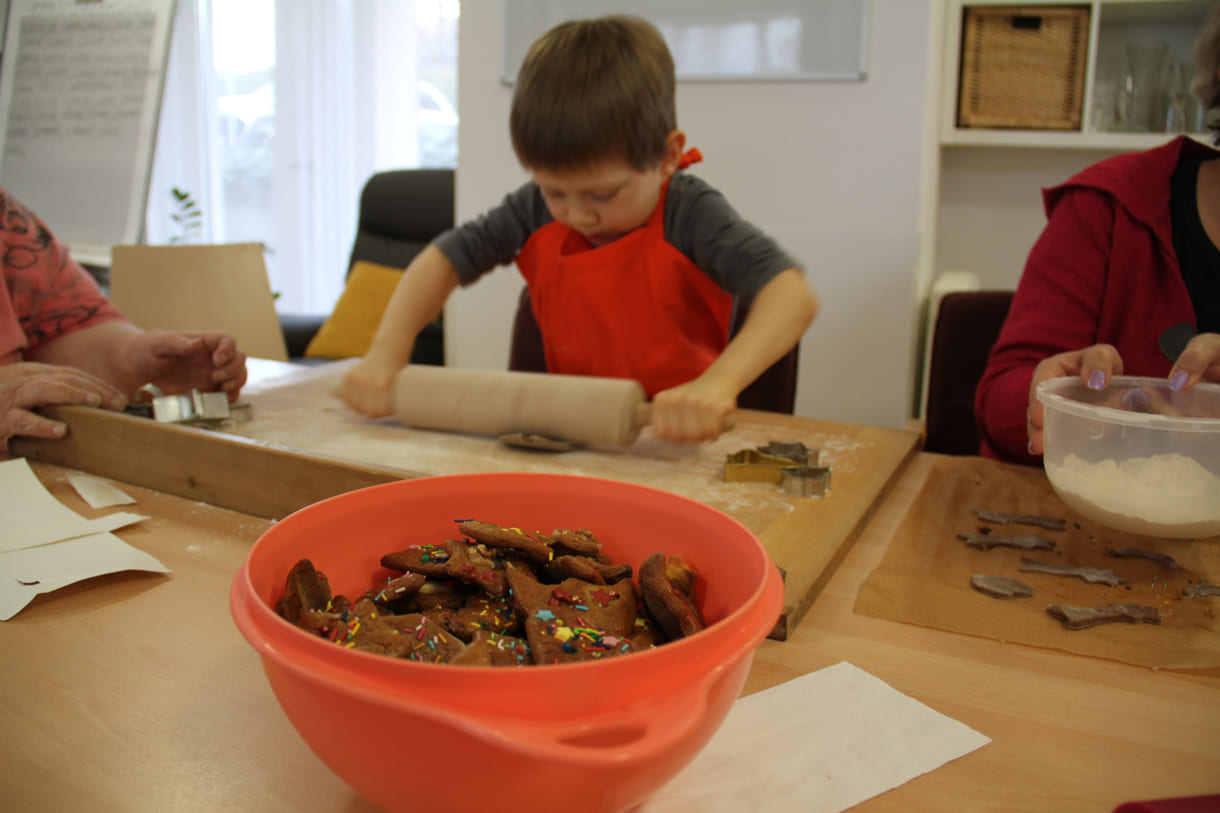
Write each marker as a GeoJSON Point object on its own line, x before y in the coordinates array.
{"type": "Point", "coordinates": [1138, 107]}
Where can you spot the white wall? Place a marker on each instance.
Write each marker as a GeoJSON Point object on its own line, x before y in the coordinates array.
{"type": "Point", "coordinates": [832, 170]}
{"type": "Point", "coordinates": [991, 206]}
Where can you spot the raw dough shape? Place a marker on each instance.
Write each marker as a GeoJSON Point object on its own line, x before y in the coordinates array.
{"type": "Point", "coordinates": [1078, 618]}
{"type": "Point", "coordinates": [1092, 575]}
{"type": "Point", "coordinates": [1000, 586]}
{"type": "Point", "coordinates": [1200, 590]}
{"type": "Point", "coordinates": [1161, 559]}
{"type": "Point", "coordinates": [986, 541]}
{"type": "Point", "coordinates": [1049, 523]}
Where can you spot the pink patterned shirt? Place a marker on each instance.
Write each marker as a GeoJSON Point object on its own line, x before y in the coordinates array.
{"type": "Point", "coordinates": [46, 293]}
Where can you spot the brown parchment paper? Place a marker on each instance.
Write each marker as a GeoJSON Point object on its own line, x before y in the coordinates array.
{"type": "Point", "coordinates": [924, 577]}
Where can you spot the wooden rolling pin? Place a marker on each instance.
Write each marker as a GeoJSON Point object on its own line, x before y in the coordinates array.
{"type": "Point", "coordinates": [578, 409]}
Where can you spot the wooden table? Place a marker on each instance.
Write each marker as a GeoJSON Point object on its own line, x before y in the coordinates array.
{"type": "Point", "coordinates": [136, 692]}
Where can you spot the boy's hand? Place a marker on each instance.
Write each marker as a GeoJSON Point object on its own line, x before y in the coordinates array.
{"type": "Point", "coordinates": [692, 412]}
{"type": "Point", "coordinates": [366, 387]}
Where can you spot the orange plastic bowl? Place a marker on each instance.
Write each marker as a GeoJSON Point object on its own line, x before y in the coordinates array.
{"type": "Point", "coordinates": [592, 736]}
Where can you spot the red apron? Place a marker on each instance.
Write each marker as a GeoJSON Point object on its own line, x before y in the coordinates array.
{"type": "Point", "coordinates": [634, 308]}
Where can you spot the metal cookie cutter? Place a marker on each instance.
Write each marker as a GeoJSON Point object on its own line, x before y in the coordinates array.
{"type": "Point", "coordinates": [798, 453]}
{"type": "Point", "coordinates": [791, 466]}
{"type": "Point", "coordinates": [753, 466]}
{"type": "Point", "coordinates": [192, 407]}
{"type": "Point", "coordinates": [807, 481]}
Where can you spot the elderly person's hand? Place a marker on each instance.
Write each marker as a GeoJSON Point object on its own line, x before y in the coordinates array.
{"type": "Point", "coordinates": [25, 386]}
{"type": "Point", "coordinates": [181, 361]}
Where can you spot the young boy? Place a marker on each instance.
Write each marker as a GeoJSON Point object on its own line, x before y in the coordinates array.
{"type": "Point", "coordinates": [632, 265]}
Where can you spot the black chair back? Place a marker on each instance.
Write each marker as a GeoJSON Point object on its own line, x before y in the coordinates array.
{"type": "Point", "coordinates": [967, 326]}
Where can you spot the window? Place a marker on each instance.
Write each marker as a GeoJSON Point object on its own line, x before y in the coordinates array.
{"type": "Point", "coordinates": [275, 112]}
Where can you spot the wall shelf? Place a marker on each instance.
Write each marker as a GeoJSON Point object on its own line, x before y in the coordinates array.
{"type": "Point", "coordinates": [1112, 23]}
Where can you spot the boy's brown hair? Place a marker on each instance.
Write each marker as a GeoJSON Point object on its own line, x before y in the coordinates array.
{"type": "Point", "coordinates": [594, 90]}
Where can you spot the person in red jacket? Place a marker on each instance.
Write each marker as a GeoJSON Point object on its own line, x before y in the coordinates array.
{"type": "Point", "coordinates": [1129, 252]}
{"type": "Point", "coordinates": [63, 342]}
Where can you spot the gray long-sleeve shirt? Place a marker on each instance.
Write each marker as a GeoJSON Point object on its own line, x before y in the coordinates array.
{"type": "Point", "coordinates": [699, 222]}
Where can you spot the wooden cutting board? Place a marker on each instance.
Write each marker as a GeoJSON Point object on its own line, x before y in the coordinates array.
{"type": "Point", "coordinates": [806, 536]}
{"type": "Point", "coordinates": [301, 442]}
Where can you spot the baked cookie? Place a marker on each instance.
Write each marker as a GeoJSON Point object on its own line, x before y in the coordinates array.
{"type": "Point", "coordinates": [484, 613]}
{"type": "Point", "coordinates": [492, 649]}
{"type": "Point", "coordinates": [305, 590]}
{"type": "Point", "coordinates": [574, 620]}
{"type": "Point", "coordinates": [454, 559]}
{"type": "Point", "coordinates": [667, 585]}
{"type": "Point", "coordinates": [532, 545]}
{"type": "Point", "coordinates": [585, 569]}
{"type": "Point", "coordinates": [579, 542]}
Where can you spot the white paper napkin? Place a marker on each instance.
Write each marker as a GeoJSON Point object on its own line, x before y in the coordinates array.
{"type": "Point", "coordinates": [32, 516]}
{"type": "Point", "coordinates": [820, 743]}
{"type": "Point", "coordinates": [44, 545]}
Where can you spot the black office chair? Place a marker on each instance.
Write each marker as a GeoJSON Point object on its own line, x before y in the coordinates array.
{"type": "Point", "coordinates": [966, 328]}
{"type": "Point", "coordinates": [773, 391]}
{"type": "Point", "coordinates": [401, 212]}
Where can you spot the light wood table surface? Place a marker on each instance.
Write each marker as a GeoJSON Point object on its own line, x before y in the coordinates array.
{"type": "Point", "coordinates": [135, 692]}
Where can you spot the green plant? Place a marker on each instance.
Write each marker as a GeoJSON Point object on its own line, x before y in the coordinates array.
{"type": "Point", "coordinates": [187, 215]}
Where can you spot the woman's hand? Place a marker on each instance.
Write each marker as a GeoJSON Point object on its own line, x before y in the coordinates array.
{"type": "Point", "coordinates": [1095, 365]}
{"type": "Point", "coordinates": [1200, 361]}
{"type": "Point", "coordinates": [25, 386]}
{"type": "Point", "coordinates": [186, 360]}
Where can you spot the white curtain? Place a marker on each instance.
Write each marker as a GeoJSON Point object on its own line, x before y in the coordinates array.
{"type": "Point", "coordinates": [345, 106]}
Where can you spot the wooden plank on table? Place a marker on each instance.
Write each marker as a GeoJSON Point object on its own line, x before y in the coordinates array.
{"type": "Point", "coordinates": [809, 543]}
{"type": "Point", "coordinates": [807, 537]}
{"type": "Point", "coordinates": [252, 477]}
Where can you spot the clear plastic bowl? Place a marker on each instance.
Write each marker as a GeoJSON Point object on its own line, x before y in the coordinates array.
{"type": "Point", "coordinates": [1137, 456]}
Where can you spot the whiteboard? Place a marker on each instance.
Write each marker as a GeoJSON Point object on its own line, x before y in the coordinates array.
{"type": "Point", "coordinates": [719, 40]}
{"type": "Point", "coordinates": [80, 94]}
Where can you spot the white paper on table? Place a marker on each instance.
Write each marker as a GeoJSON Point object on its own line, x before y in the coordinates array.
{"type": "Point", "coordinates": [820, 743]}
{"type": "Point", "coordinates": [44, 545]}
{"type": "Point", "coordinates": [97, 492]}
{"type": "Point", "coordinates": [32, 515]}
{"type": "Point", "coordinates": [27, 572]}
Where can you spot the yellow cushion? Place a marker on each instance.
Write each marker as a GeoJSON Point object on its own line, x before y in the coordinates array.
{"type": "Point", "coordinates": [349, 329]}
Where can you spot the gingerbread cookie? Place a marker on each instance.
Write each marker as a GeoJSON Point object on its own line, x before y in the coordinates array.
{"type": "Point", "coordinates": [492, 649]}
{"type": "Point", "coordinates": [667, 585]}
{"type": "Point", "coordinates": [585, 569]}
{"type": "Point", "coordinates": [531, 544]}
{"type": "Point", "coordinates": [483, 612]}
{"type": "Point", "coordinates": [455, 559]}
{"type": "Point", "coordinates": [574, 620]}
{"type": "Point", "coordinates": [306, 589]}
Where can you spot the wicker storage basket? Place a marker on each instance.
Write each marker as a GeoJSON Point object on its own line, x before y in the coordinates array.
{"type": "Point", "coordinates": [1023, 67]}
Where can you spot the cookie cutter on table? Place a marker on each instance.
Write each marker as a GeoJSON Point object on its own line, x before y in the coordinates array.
{"type": "Point", "coordinates": [193, 407]}
{"type": "Point", "coordinates": [791, 466]}
{"type": "Point", "coordinates": [797, 452]}
{"type": "Point", "coordinates": [753, 466]}
{"type": "Point", "coordinates": [807, 481]}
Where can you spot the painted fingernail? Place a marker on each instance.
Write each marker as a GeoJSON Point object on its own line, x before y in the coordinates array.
{"type": "Point", "coordinates": [1178, 380]}
{"type": "Point", "coordinates": [1097, 380]}
{"type": "Point", "coordinates": [1029, 447]}
{"type": "Point", "coordinates": [1137, 400]}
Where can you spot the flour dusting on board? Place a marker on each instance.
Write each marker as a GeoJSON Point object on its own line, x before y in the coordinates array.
{"type": "Point", "coordinates": [291, 416]}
